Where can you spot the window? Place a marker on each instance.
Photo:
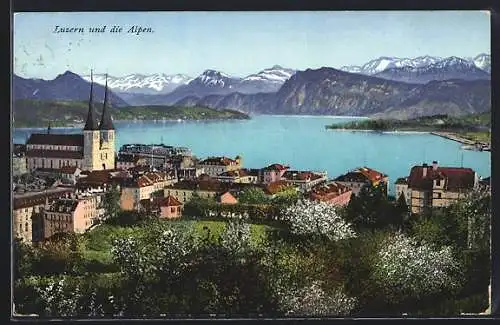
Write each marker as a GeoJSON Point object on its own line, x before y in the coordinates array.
{"type": "Point", "coordinates": [438, 195]}
{"type": "Point", "coordinates": [26, 226]}
{"type": "Point", "coordinates": [438, 183]}
{"type": "Point", "coordinates": [172, 210]}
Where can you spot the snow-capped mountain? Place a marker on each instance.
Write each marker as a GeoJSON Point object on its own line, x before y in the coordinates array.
{"type": "Point", "coordinates": [214, 79]}
{"type": "Point", "coordinates": [449, 68]}
{"type": "Point", "coordinates": [158, 83]}
{"type": "Point", "coordinates": [483, 62]}
{"type": "Point", "coordinates": [383, 63]}
{"type": "Point", "coordinates": [267, 80]}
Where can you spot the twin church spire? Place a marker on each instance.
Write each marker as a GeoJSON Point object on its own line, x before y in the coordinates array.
{"type": "Point", "coordinates": [106, 122]}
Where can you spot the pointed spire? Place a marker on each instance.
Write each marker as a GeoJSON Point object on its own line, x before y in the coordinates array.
{"type": "Point", "coordinates": [91, 123]}
{"type": "Point", "coordinates": [106, 122]}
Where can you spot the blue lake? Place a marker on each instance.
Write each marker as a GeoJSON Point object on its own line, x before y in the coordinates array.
{"type": "Point", "coordinates": [302, 142]}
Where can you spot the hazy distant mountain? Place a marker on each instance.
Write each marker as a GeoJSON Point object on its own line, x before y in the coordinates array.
{"type": "Point", "coordinates": [158, 83]}
{"type": "Point", "coordinates": [383, 63]}
{"type": "Point", "coordinates": [66, 86]}
{"type": "Point", "coordinates": [482, 61]}
{"type": "Point", "coordinates": [329, 91]}
{"type": "Point", "coordinates": [449, 68]}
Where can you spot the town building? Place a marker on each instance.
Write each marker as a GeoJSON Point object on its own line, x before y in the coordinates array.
{"type": "Point", "coordinates": [92, 150]}
{"type": "Point", "coordinates": [27, 214]}
{"type": "Point", "coordinates": [205, 187]}
{"type": "Point", "coordinates": [191, 173]}
{"type": "Point", "coordinates": [305, 180]}
{"type": "Point", "coordinates": [144, 188]}
{"type": "Point", "coordinates": [214, 166]}
{"type": "Point", "coordinates": [273, 173]}
{"type": "Point", "coordinates": [70, 174]}
{"type": "Point", "coordinates": [434, 186]}
{"type": "Point", "coordinates": [226, 198]}
{"type": "Point", "coordinates": [275, 188]}
{"type": "Point", "coordinates": [19, 163]}
{"type": "Point", "coordinates": [74, 214]}
{"type": "Point", "coordinates": [157, 155]}
{"type": "Point", "coordinates": [163, 207]}
{"type": "Point", "coordinates": [360, 177]}
{"type": "Point", "coordinates": [243, 175]}
{"type": "Point", "coordinates": [332, 192]}
{"type": "Point", "coordinates": [129, 161]}
{"type": "Point", "coordinates": [403, 189]}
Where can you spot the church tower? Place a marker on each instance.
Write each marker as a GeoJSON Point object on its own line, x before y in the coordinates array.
{"type": "Point", "coordinates": [107, 135]}
{"type": "Point", "coordinates": [91, 135]}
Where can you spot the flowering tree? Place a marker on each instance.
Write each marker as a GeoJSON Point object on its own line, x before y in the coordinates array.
{"type": "Point", "coordinates": [236, 236]}
{"type": "Point", "coordinates": [317, 218]}
{"type": "Point", "coordinates": [57, 301]}
{"type": "Point", "coordinates": [314, 301]}
{"type": "Point", "coordinates": [406, 268]}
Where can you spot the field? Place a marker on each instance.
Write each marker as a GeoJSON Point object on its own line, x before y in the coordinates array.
{"type": "Point", "coordinates": [96, 244]}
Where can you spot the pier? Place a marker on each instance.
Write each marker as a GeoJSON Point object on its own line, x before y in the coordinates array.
{"type": "Point", "coordinates": [468, 144]}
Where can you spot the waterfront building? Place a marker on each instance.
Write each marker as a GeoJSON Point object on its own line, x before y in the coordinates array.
{"type": "Point", "coordinates": [273, 173]}
{"type": "Point", "coordinates": [331, 192]}
{"type": "Point", "coordinates": [94, 149]}
{"type": "Point", "coordinates": [205, 187]}
{"type": "Point", "coordinates": [435, 186]}
{"type": "Point", "coordinates": [214, 166]}
{"type": "Point", "coordinates": [305, 180]}
{"type": "Point", "coordinates": [360, 177]}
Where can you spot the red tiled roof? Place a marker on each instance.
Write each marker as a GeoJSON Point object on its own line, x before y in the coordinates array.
{"type": "Point", "coordinates": [301, 175]}
{"type": "Point", "coordinates": [56, 139]}
{"type": "Point", "coordinates": [276, 187]}
{"type": "Point", "coordinates": [169, 201]}
{"type": "Point", "coordinates": [371, 174]}
{"type": "Point", "coordinates": [55, 154]}
{"type": "Point", "coordinates": [455, 178]}
{"type": "Point", "coordinates": [96, 177]}
{"type": "Point", "coordinates": [328, 190]}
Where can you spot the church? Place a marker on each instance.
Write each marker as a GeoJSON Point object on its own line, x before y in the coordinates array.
{"type": "Point", "coordinates": [92, 150]}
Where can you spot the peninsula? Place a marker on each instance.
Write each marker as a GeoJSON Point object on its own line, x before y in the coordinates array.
{"type": "Point", "coordinates": [37, 113]}
{"type": "Point", "coordinates": [467, 129]}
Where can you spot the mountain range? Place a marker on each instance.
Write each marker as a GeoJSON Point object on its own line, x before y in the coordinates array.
{"type": "Point", "coordinates": [66, 86]}
{"type": "Point", "coordinates": [328, 91]}
{"type": "Point", "coordinates": [395, 86]}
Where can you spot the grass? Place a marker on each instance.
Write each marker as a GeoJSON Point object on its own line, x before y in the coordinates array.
{"type": "Point", "coordinates": [481, 136]}
{"type": "Point", "coordinates": [96, 244]}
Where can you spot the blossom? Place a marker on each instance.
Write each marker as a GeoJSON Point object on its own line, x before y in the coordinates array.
{"type": "Point", "coordinates": [236, 236]}
{"type": "Point", "coordinates": [404, 266]}
{"type": "Point", "coordinates": [317, 218]}
{"type": "Point", "coordinates": [314, 301]}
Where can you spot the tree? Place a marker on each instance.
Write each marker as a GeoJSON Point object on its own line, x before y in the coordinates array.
{"type": "Point", "coordinates": [111, 203]}
{"type": "Point", "coordinates": [286, 197]}
{"type": "Point", "coordinates": [314, 301]}
{"type": "Point", "coordinates": [253, 195]}
{"type": "Point", "coordinates": [317, 219]}
{"type": "Point", "coordinates": [406, 269]}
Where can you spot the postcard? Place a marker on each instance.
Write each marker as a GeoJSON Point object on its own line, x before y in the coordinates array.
{"type": "Point", "coordinates": [303, 164]}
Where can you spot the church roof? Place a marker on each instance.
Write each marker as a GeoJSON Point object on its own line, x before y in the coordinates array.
{"type": "Point", "coordinates": [56, 139]}
{"type": "Point", "coordinates": [106, 122]}
{"type": "Point", "coordinates": [91, 123]}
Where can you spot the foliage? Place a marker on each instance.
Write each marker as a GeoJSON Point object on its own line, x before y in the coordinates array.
{"type": "Point", "coordinates": [314, 301]}
{"type": "Point", "coordinates": [409, 269]}
{"type": "Point", "coordinates": [253, 195]}
{"type": "Point", "coordinates": [36, 113]}
{"type": "Point", "coordinates": [312, 218]}
{"type": "Point", "coordinates": [371, 209]}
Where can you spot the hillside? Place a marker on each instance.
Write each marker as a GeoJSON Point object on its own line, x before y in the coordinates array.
{"type": "Point", "coordinates": [35, 113]}
{"type": "Point", "coordinates": [328, 91]}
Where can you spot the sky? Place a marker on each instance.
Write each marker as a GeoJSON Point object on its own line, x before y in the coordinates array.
{"type": "Point", "coordinates": [238, 43]}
